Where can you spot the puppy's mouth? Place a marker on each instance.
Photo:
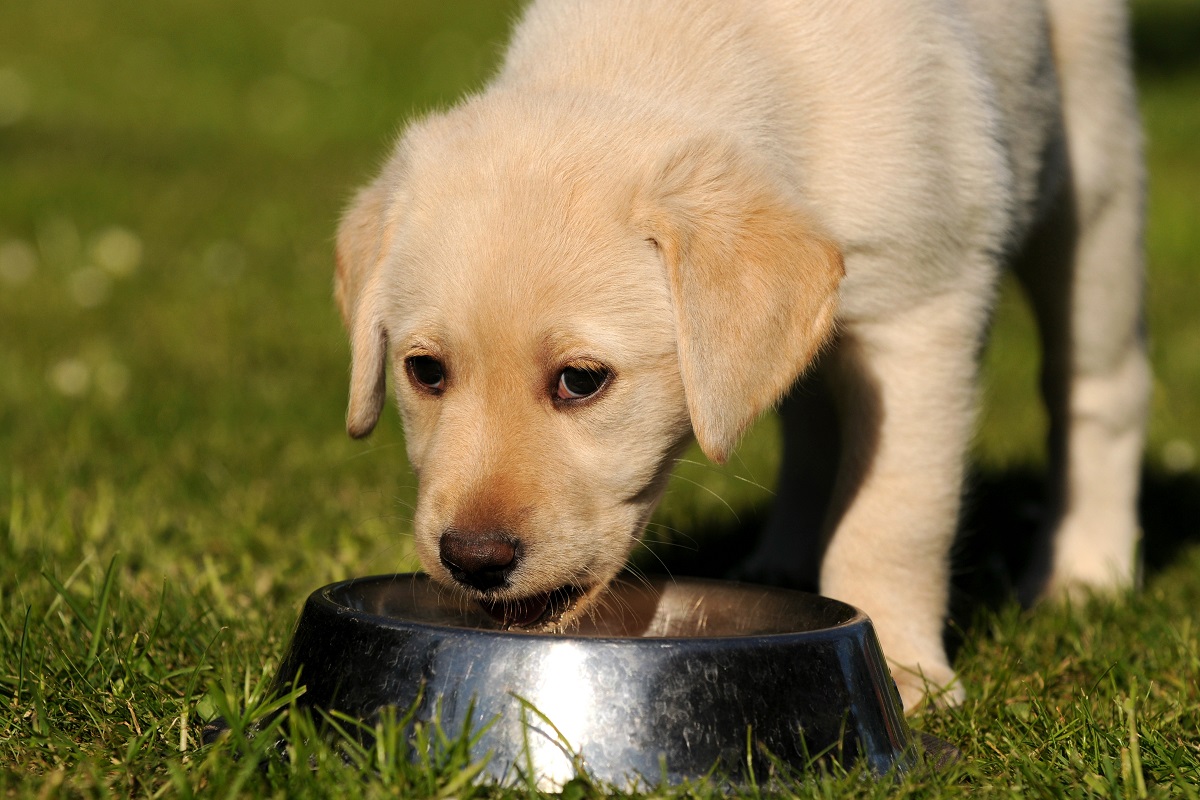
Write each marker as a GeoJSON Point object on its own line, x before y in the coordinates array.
{"type": "Point", "coordinates": [537, 612]}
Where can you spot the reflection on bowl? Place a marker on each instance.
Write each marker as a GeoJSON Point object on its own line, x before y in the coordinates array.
{"type": "Point", "coordinates": [667, 678]}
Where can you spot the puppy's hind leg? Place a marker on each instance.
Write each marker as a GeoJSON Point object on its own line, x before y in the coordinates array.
{"type": "Point", "coordinates": [1083, 274]}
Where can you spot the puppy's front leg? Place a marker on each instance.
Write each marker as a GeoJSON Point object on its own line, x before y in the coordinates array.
{"type": "Point", "coordinates": [906, 393]}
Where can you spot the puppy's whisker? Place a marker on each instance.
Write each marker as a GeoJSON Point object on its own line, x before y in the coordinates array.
{"type": "Point", "coordinates": [710, 491]}
{"type": "Point", "coordinates": [713, 468]}
{"type": "Point", "coordinates": [657, 557]}
{"type": "Point", "coordinates": [670, 540]}
{"type": "Point", "coordinates": [374, 449]}
{"type": "Point", "coordinates": [644, 579]}
{"type": "Point", "coordinates": [662, 526]}
{"type": "Point", "coordinates": [750, 472]}
{"type": "Point", "coordinates": [690, 547]}
{"type": "Point", "coordinates": [611, 601]}
{"type": "Point", "coordinates": [753, 483]}
{"type": "Point", "coordinates": [702, 464]}
{"type": "Point", "coordinates": [640, 576]}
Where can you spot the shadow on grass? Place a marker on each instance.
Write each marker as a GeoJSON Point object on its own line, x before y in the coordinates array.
{"type": "Point", "coordinates": [1165, 36]}
{"type": "Point", "coordinates": [1002, 513]}
{"type": "Point", "coordinates": [1004, 510]}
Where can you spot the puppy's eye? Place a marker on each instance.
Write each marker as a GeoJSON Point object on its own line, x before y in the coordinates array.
{"type": "Point", "coordinates": [427, 372]}
{"type": "Point", "coordinates": [576, 383]}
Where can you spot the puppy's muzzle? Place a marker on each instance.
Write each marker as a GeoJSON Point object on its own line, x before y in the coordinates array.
{"type": "Point", "coordinates": [481, 560]}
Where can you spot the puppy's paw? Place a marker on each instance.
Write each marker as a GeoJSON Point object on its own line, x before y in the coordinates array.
{"type": "Point", "coordinates": [925, 687]}
{"type": "Point", "coordinates": [1079, 591]}
{"type": "Point", "coordinates": [1084, 559]}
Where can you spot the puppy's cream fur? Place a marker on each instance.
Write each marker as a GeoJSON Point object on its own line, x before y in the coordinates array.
{"type": "Point", "coordinates": [702, 195]}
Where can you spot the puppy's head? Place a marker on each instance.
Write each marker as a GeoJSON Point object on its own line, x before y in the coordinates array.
{"type": "Point", "coordinates": [562, 303]}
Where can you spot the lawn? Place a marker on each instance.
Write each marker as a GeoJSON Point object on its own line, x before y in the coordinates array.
{"type": "Point", "coordinates": [175, 479]}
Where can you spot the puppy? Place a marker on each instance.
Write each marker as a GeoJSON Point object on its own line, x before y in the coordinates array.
{"type": "Point", "coordinates": [662, 214]}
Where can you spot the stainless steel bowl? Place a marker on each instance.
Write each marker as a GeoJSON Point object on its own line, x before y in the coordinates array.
{"type": "Point", "coordinates": [668, 678]}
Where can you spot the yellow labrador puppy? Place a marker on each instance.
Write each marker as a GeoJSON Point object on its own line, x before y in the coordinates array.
{"type": "Point", "coordinates": [660, 214]}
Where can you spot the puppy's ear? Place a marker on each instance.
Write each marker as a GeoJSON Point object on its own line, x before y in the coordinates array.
{"type": "Point", "coordinates": [753, 282]}
{"type": "Point", "coordinates": [361, 242]}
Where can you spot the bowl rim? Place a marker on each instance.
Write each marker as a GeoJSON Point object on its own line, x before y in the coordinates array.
{"type": "Point", "coordinates": [855, 619]}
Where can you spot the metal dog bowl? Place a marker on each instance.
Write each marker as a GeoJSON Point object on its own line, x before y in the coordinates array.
{"type": "Point", "coordinates": [667, 679]}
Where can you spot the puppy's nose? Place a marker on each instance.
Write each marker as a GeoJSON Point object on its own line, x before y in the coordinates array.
{"type": "Point", "coordinates": [479, 559]}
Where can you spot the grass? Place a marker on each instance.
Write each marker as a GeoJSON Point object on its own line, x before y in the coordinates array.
{"type": "Point", "coordinates": [174, 478]}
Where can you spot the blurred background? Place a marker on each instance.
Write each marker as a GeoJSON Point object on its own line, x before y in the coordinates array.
{"type": "Point", "coordinates": [172, 368]}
